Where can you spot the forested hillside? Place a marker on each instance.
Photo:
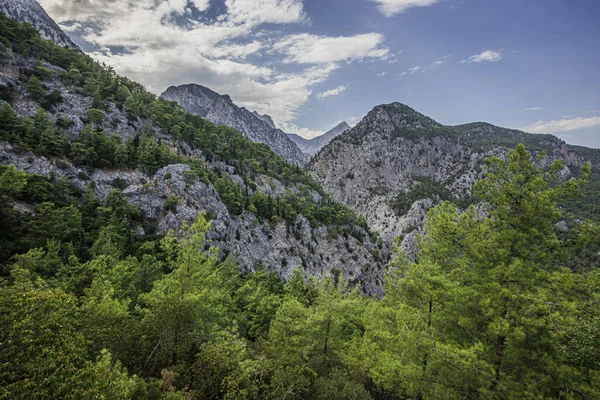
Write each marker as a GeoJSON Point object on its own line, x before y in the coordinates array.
{"type": "Point", "coordinates": [110, 287]}
{"type": "Point", "coordinates": [79, 125]}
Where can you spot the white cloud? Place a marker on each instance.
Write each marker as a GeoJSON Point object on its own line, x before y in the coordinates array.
{"type": "Point", "coordinates": [392, 7]}
{"type": "Point", "coordinates": [533, 109]}
{"type": "Point", "coordinates": [71, 27]}
{"type": "Point", "coordinates": [332, 92]}
{"type": "Point", "coordinates": [200, 5]}
{"type": "Point", "coordinates": [433, 65]}
{"type": "Point", "coordinates": [412, 70]}
{"type": "Point", "coordinates": [486, 56]}
{"type": "Point", "coordinates": [162, 50]}
{"type": "Point", "coordinates": [303, 132]}
{"type": "Point", "coordinates": [265, 11]}
{"type": "Point", "coordinates": [382, 74]}
{"type": "Point", "coordinates": [562, 125]}
{"type": "Point", "coordinates": [305, 48]}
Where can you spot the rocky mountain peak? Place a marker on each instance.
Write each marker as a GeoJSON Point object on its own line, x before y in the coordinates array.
{"type": "Point", "coordinates": [227, 98]}
{"type": "Point", "coordinates": [390, 120]}
{"type": "Point", "coordinates": [266, 118]}
{"type": "Point", "coordinates": [401, 116]}
{"type": "Point", "coordinates": [221, 110]}
{"type": "Point", "coordinates": [31, 11]}
{"type": "Point", "coordinates": [342, 126]}
{"type": "Point", "coordinates": [384, 167]}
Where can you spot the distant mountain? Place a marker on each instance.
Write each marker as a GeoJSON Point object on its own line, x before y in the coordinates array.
{"type": "Point", "coordinates": [221, 110]}
{"type": "Point", "coordinates": [396, 163]}
{"type": "Point", "coordinates": [30, 11]}
{"type": "Point", "coordinates": [312, 146]}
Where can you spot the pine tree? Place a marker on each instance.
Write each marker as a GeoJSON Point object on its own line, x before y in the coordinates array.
{"type": "Point", "coordinates": [477, 314]}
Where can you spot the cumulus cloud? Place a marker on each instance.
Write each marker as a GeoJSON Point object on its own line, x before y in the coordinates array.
{"type": "Point", "coordinates": [305, 48]}
{"type": "Point", "coordinates": [264, 11]}
{"type": "Point", "coordinates": [161, 43]}
{"type": "Point", "coordinates": [486, 56]}
{"type": "Point", "coordinates": [393, 7]}
{"type": "Point", "coordinates": [332, 92]}
{"type": "Point", "coordinates": [562, 125]}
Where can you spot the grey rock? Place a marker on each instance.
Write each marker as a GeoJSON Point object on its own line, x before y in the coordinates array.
{"type": "Point", "coordinates": [562, 226]}
{"type": "Point", "coordinates": [31, 11]}
{"type": "Point", "coordinates": [277, 247]}
{"type": "Point", "coordinates": [266, 118]}
{"type": "Point", "coordinates": [222, 111]}
{"type": "Point", "coordinates": [368, 166]}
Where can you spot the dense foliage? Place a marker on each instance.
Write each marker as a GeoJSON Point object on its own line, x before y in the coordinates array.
{"type": "Point", "coordinates": [490, 309]}
{"type": "Point", "coordinates": [161, 128]}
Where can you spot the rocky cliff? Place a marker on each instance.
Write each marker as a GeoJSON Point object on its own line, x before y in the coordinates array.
{"type": "Point", "coordinates": [171, 194]}
{"type": "Point", "coordinates": [221, 110]}
{"type": "Point", "coordinates": [30, 11]}
{"type": "Point", "coordinates": [394, 149]}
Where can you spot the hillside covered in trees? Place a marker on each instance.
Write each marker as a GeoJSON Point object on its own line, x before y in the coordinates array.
{"type": "Point", "coordinates": [502, 300]}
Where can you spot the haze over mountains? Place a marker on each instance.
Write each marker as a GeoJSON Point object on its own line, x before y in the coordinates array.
{"type": "Point", "coordinates": [312, 146]}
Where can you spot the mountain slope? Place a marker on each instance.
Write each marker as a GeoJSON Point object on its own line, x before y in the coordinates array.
{"type": "Point", "coordinates": [396, 163]}
{"type": "Point", "coordinates": [98, 143]}
{"type": "Point", "coordinates": [220, 110]}
{"type": "Point", "coordinates": [312, 146]}
{"type": "Point", "coordinates": [30, 11]}
{"type": "Point", "coordinates": [266, 118]}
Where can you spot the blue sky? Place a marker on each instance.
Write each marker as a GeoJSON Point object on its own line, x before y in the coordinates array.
{"type": "Point", "coordinates": [310, 64]}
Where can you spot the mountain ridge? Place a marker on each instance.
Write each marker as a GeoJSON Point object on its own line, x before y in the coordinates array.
{"type": "Point", "coordinates": [221, 110]}
{"type": "Point", "coordinates": [31, 11]}
{"type": "Point", "coordinates": [169, 166]}
{"type": "Point", "coordinates": [383, 159]}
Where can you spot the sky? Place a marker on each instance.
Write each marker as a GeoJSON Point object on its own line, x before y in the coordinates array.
{"type": "Point", "coordinates": [310, 64]}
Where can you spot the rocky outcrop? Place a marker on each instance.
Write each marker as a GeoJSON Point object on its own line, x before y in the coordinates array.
{"type": "Point", "coordinates": [73, 106]}
{"type": "Point", "coordinates": [30, 11]}
{"type": "Point", "coordinates": [312, 146]}
{"type": "Point", "coordinates": [383, 155]}
{"type": "Point", "coordinates": [277, 247]}
{"type": "Point", "coordinates": [266, 118]}
{"type": "Point", "coordinates": [221, 110]}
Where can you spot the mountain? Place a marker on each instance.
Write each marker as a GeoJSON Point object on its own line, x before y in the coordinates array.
{"type": "Point", "coordinates": [30, 11]}
{"type": "Point", "coordinates": [312, 146]}
{"type": "Point", "coordinates": [266, 118]}
{"type": "Point", "coordinates": [396, 163]}
{"type": "Point", "coordinates": [99, 144]}
{"type": "Point", "coordinates": [221, 110]}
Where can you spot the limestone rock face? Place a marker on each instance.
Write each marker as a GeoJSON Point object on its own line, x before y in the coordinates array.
{"type": "Point", "coordinates": [393, 146]}
{"type": "Point", "coordinates": [30, 11]}
{"type": "Point", "coordinates": [221, 110]}
{"type": "Point", "coordinates": [277, 247]}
